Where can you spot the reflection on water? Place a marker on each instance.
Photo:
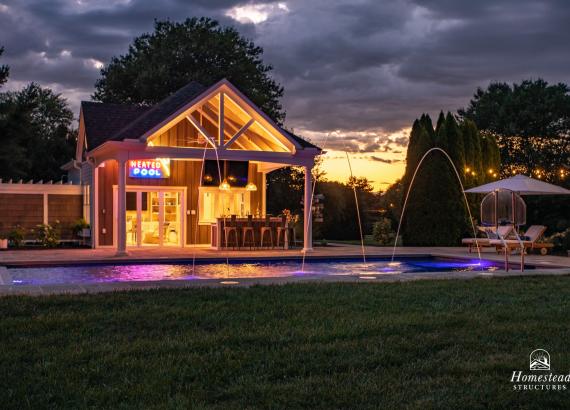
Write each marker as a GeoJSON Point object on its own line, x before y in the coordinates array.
{"type": "Point", "coordinates": [153, 272]}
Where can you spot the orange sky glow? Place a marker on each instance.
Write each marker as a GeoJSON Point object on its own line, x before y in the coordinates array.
{"type": "Point", "coordinates": [382, 167]}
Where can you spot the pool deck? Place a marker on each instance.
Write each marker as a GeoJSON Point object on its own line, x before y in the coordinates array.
{"type": "Point", "coordinates": [551, 265]}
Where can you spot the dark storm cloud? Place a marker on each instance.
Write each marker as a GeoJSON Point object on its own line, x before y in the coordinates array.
{"type": "Point", "coordinates": [359, 70]}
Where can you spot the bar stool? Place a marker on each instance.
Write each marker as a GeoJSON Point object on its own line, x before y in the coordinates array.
{"type": "Point", "coordinates": [248, 228]}
{"type": "Point", "coordinates": [283, 228]}
{"type": "Point", "coordinates": [266, 228]}
{"type": "Point", "coordinates": [229, 229]}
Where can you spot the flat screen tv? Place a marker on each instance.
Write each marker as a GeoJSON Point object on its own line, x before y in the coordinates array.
{"type": "Point", "coordinates": [235, 172]}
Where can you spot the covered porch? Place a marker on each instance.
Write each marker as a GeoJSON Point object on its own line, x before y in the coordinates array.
{"type": "Point", "coordinates": [193, 174]}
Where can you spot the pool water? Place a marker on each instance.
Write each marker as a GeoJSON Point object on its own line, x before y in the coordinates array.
{"type": "Point", "coordinates": [255, 269]}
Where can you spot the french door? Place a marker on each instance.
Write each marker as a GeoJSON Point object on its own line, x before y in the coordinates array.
{"type": "Point", "coordinates": [154, 217]}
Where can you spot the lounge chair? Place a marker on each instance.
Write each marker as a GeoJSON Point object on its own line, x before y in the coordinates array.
{"type": "Point", "coordinates": [528, 241]}
{"type": "Point", "coordinates": [503, 232]}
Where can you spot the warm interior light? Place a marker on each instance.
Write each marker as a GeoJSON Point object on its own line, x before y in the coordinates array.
{"type": "Point", "coordinates": [251, 187]}
{"type": "Point", "coordinates": [224, 186]}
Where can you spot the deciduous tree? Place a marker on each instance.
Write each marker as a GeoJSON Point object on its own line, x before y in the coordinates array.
{"type": "Point", "coordinates": [159, 63]}
{"type": "Point", "coordinates": [531, 123]}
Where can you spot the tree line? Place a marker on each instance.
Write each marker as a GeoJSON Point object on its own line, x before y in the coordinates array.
{"type": "Point", "coordinates": [36, 132]}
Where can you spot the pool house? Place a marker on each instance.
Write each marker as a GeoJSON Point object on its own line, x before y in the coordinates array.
{"type": "Point", "coordinates": [178, 173]}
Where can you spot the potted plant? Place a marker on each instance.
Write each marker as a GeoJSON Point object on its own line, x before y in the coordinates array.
{"type": "Point", "coordinates": [82, 228]}
{"type": "Point", "coordinates": [3, 242]}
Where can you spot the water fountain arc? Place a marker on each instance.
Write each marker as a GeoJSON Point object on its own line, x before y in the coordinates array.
{"type": "Point", "coordinates": [428, 152]}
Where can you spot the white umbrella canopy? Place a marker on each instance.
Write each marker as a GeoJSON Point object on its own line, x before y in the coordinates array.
{"type": "Point", "coordinates": [522, 185]}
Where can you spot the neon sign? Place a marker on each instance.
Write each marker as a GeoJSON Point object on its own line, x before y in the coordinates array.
{"type": "Point", "coordinates": [149, 168]}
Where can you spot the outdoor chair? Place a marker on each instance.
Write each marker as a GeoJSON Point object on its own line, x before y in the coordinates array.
{"type": "Point", "coordinates": [527, 241]}
{"type": "Point", "coordinates": [502, 233]}
{"type": "Point", "coordinates": [283, 229]}
{"type": "Point", "coordinates": [230, 228]}
{"type": "Point", "coordinates": [266, 228]}
{"type": "Point", "coordinates": [248, 229]}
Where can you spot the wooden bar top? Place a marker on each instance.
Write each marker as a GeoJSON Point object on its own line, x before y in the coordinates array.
{"type": "Point", "coordinates": [245, 219]}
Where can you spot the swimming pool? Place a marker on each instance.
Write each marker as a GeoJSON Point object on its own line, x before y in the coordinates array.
{"type": "Point", "coordinates": [97, 273]}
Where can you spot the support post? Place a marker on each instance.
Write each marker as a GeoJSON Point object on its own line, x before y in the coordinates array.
{"type": "Point", "coordinates": [307, 218]}
{"type": "Point", "coordinates": [94, 205]}
{"type": "Point", "coordinates": [121, 208]}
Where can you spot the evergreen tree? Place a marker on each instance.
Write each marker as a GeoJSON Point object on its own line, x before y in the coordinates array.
{"type": "Point", "coordinates": [435, 212]}
{"type": "Point", "coordinates": [491, 157]}
{"type": "Point", "coordinates": [414, 151]}
{"type": "Point", "coordinates": [425, 120]}
{"type": "Point", "coordinates": [455, 145]}
{"type": "Point", "coordinates": [4, 70]}
{"type": "Point", "coordinates": [473, 155]}
{"type": "Point", "coordinates": [440, 122]}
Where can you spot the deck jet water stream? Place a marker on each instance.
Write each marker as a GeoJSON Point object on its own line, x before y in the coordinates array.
{"type": "Point", "coordinates": [462, 191]}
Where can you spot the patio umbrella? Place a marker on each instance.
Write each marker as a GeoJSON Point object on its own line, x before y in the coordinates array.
{"type": "Point", "coordinates": [521, 185]}
{"type": "Point", "coordinates": [517, 185]}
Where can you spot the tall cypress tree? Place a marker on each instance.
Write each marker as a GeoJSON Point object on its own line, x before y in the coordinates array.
{"type": "Point", "coordinates": [491, 157]}
{"type": "Point", "coordinates": [417, 214]}
{"type": "Point", "coordinates": [436, 212]}
{"type": "Point", "coordinates": [440, 122]}
{"type": "Point", "coordinates": [473, 155]}
{"type": "Point", "coordinates": [455, 145]}
{"type": "Point", "coordinates": [413, 155]}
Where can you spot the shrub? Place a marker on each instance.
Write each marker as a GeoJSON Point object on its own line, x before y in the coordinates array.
{"type": "Point", "coordinates": [16, 236]}
{"type": "Point", "coordinates": [48, 235]}
{"type": "Point", "coordinates": [560, 240]}
{"type": "Point", "coordinates": [382, 232]}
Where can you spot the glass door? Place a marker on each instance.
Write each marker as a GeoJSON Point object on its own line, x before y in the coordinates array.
{"type": "Point", "coordinates": [171, 218]}
{"type": "Point", "coordinates": [150, 218]}
{"type": "Point", "coordinates": [154, 218]}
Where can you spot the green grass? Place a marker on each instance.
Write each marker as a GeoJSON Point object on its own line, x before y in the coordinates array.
{"type": "Point", "coordinates": [426, 344]}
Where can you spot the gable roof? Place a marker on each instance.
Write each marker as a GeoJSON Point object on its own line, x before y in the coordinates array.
{"type": "Point", "coordinates": [160, 111]}
{"type": "Point", "coordinates": [302, 142]}
{"type": "Point", "coordinates": [106, 121]}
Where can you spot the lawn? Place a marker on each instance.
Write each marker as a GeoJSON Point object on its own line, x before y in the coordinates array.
{"type": "Point", "coordinates": [425, 344]}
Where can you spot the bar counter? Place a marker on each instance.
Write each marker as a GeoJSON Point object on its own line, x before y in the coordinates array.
{"type": "Point", "coordinates": [218, 240]}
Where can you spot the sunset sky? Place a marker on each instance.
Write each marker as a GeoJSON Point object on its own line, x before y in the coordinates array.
{"type": "Point", "coordinates": [358, 72]}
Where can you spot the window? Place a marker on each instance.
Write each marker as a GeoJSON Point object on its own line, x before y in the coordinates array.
{"type": "Point", "coordinates": [213, 203]}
